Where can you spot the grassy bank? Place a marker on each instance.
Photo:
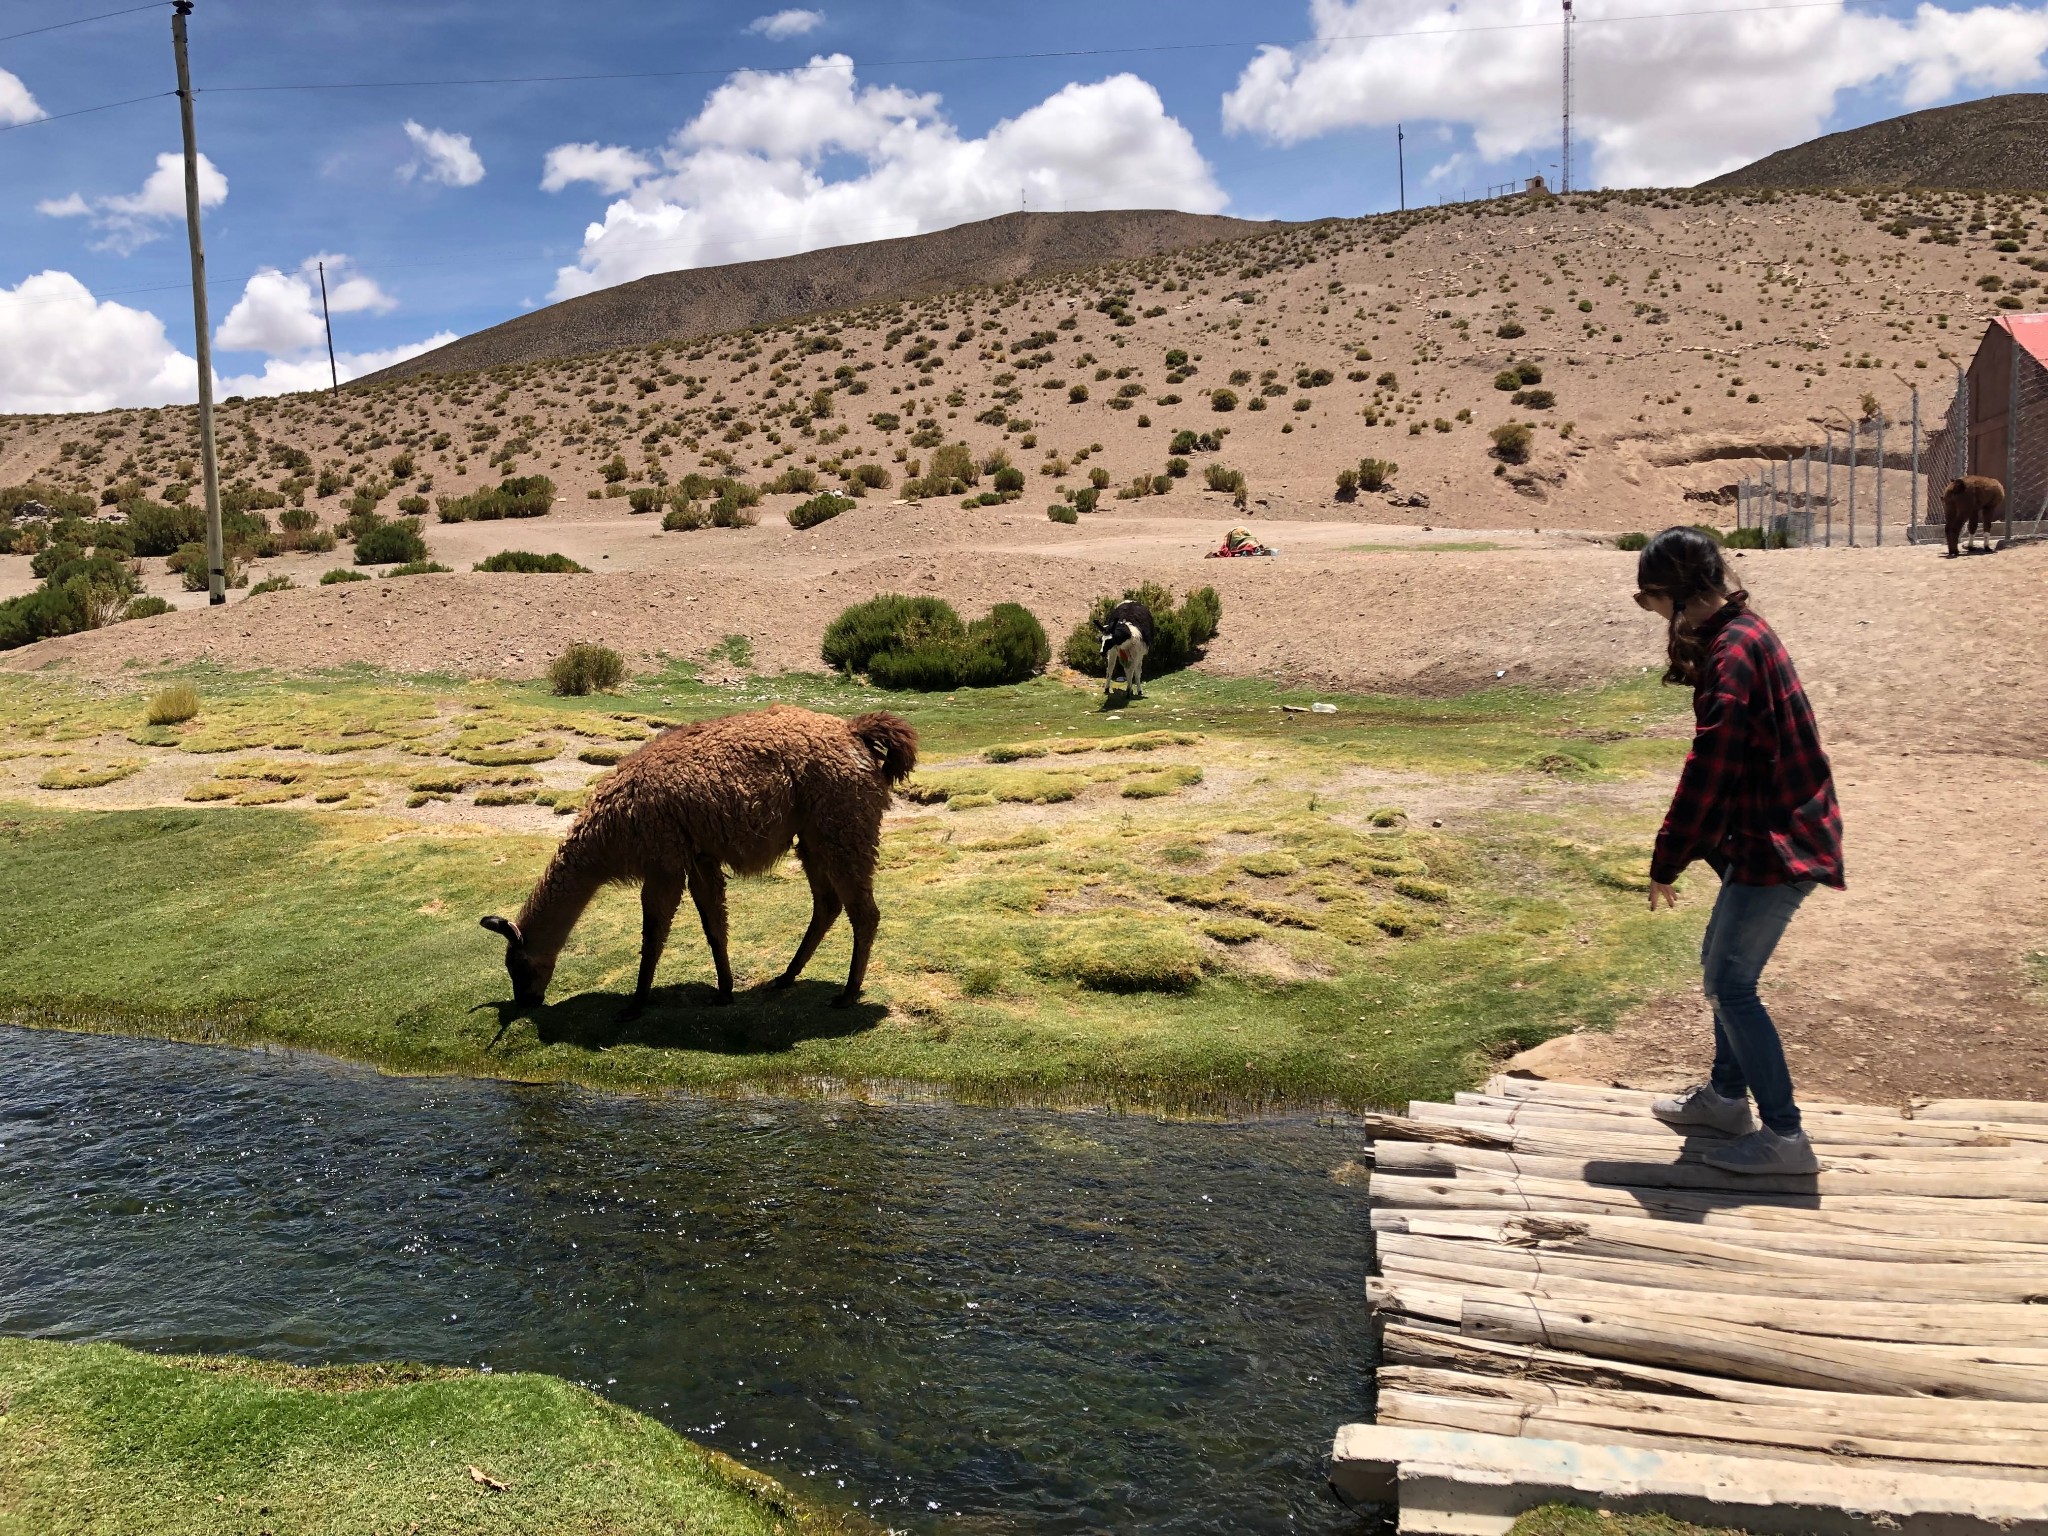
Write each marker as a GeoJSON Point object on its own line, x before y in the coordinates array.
{"type": "Point", "coordinates": [103, 1440]}
{"type": "Point", "coordinates": [1204, 900]}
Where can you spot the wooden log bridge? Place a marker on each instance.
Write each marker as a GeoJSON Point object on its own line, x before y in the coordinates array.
{"type": "Point", "coordinates": [1571, 1306]}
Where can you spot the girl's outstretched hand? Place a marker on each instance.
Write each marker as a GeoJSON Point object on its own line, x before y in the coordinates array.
{"type": "Point", "coordinates": [1668, 892]}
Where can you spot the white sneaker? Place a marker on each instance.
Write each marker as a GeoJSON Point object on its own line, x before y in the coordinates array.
{"type": "Point", "coordinates": [1763, 1150]}
{"type": "Point", "coordinates": [1701, 1106]}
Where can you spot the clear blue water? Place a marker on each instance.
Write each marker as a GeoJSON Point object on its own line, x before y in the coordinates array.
{"type": "Point", "coordinates": [960, 1320]}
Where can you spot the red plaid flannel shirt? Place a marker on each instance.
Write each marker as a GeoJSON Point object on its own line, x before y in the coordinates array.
{"type": "Point", "coordinates": [1755, 799]}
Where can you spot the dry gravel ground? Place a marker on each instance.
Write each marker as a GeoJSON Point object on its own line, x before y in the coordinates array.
{"type": "Point", "coordinates": [1925, 673]}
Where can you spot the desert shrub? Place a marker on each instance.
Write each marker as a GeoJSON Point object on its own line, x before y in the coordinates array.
{"type": "Point", "coordinates": [951, 471]}
{"type": "Point", "coordinates": [145, 608]}
{"type": "Point", "coordinates": [1508, 330]}
{"type": "Point", "coordinates": [1744, 538]}
{"type": "Point", "coordinates": [731, 511]}
{"type": "Point", "coordinates": [1632, 541]}
{"type": "Point", "coordinates": [421, 568]}
{"type": "Point", "coordinates": [880, 623]}
{"type": "Point", "coordinates": [1060, 512]}
{"type": "Point", "coordinates": [1086, 497]}
{"type": "Point", "coordinates": [189, 563]}
{"type": "Point", "coordinates": [1217, 478]}
{"type": "Point", "coordinates": [1078, 393]}
{"type": "Point", "coordinates": [159, 530]}
{"type": "Point", "coordinates": [526, 562]}
{"type": "Point", "coordinates": [872, 477]}
{"type": "Point", "coordinates": [1511, 441]}
{"type": "Point", "coordinates": [1222, 399]}
{"type": "Point", "coordinates": [1179, 633]}
{"type": "Point", "coordinates": [13, 498]}
{"type": "Point", "coordinates": [1177, 468]}
{"type": "Point", "coordinates": [919, 643]}
{"type": "Point", "coordinates": [272, 584]}
{"type": "Point", "coordinates": [585, 669]}
{"type": "Point", "coordinates": [1376, 474]}
{"type": "Point", "coordinates": [413, 506]}
{"type": "Point", "coordinates": [80, 594]}
{"type": "Point", "coordinates": [796, 480]}
{"type": "Point", "coordinates": [1507, 379]}
{"type": "Point", "coordinates": [821, 508]}
{"type": "Point", "coordinates": [644, 499]}
{"type": "Point", "coordinates": [1009, 478]}
{"type": "Point", "coordinates": [1534, 399]}
{"type": "Point", "coordinates": [685, 517]}
{"type": "Point", "coordinates": [1347, 484]}
{"type": "Point", "coordinates": [341, 574]}
{"type": "Point", "coordinates": [515, 496]}
{"type": "Point", "coordinates": [397, 542]}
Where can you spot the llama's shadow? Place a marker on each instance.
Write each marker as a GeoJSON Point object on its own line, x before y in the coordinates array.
{"type": "Point", "coordinates": [758, 1020]}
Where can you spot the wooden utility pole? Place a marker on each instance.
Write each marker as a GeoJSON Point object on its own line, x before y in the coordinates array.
{"type": "Point", "coordinates": [333, 377]}
{"type": "Point", "coordinates": [1401, 163]}
{"type": "Point", "coordinates": [216, 559]}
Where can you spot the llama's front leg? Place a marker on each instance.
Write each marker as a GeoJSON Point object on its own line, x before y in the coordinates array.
{"type": "Point", "coordinates": [825, 908]}
{"type": "Point", "coordinates": [707, 889]}
{"type": "Point", "coordinates": [862, 912]}
{"type": "Point", "coordinates": [660, 895]}
{"type": "Point", "coordinates": [1137, 677]}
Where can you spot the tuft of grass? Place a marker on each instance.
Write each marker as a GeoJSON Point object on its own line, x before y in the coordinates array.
{"type": "Point", "coordinates": [585, 669]}
{"type": "Point", "coordinates": [90, 776]}
{"type": "Point", "coordinates": [1571, 1520]}
{"type": "Point", "coordinates": [1166, 781]}
{"type": "Point", "coordinates": [173, 705]}
{"type": "Point", "coordinates": [526, 563]}
{"type": "Point", "coordinates": [101, 1438]}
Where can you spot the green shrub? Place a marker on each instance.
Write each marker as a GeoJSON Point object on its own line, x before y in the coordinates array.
{"type": "Point", "coordinates": [421, 568]}
{"type": "Point", "coordinates": [145, 608]}
{"type": "Point", "coordinates": [645, 498]}
{"type": "Point", "coordinates": [585, 669]}
{"type": "Point", "coordinates": [1711, 532]}
{"type": "Point", "coordinates": [1179, 633]}
{"type": "Point", "coordinates": [1632, 541]}
{"type": "Point", "coordinates": [1347, 484]}
{"type": "Point", "coordinates": [62, 503]}
{"type": "Point", "coordinates": [516, 496]}
{"type": "Point", "coordinates": [1508, 330]}
{"type": "Point", "coordinates": [1060, 512]}
{"type": "Point", "coordinates": [685, 517]}
{"type": "Point", "coordinates": [1534, 399]}
{"type": "Point", "coordinates": [821, 508]}
{"type": "Point", "coordinates": [1086, 497]}
{"type": "Point", "coordinates": [526, 562]}
{"type": "Point", "coordinates": [1222, 399]}
{"type": "Point", "coordinates": [173, 705]}
{"type": "Point", "coordinates": [871, 477]}
{"type": "Point", "coordinates": [1009, 479]}
{"type": "Point", "coordinates": [1078, 393]}
{"type": "Point", "coordinates": [159, 530]}
{"type": "Point", "coordinates": [272, 584]}
{"type": "Point", "coordinates": [1376, 474]}
{"type": "Point", "coordinates": [1217, 478]}
{"type": "Point", "coordinates": [397, 542]}
{"type": "Point", "coordinates": [413, 506]}
{"type": "Point", "coordinates": [341, 574]}
{"type": "Point", "coordinates": [1744, 538]}
{"type": "Point", "coordinates": [1507, 379]}
{"type": "Point", "coordinates": [919, 643]}
{"type": "Point", "coordinates": [952, 471]}
{"type": "Point", "coordinates": [794, 481]}
{"type": "Point", "coordinates": [1511, 441]}
{"type": "Point", "coordinates": [80, 594]}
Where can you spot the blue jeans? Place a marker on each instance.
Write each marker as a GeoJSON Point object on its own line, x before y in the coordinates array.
{"type": "Point", "coordinates": [1747, 923]}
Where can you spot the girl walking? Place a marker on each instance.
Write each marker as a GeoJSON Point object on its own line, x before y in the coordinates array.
{"type": "Point", "coordinates": [1757, 802]}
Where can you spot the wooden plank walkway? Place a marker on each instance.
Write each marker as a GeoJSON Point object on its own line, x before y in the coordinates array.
{"type": "Point", "coordinates": [1553, 1264]}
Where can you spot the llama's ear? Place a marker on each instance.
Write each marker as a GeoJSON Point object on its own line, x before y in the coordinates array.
{"type": "Point", "coordinates": [503, 926]}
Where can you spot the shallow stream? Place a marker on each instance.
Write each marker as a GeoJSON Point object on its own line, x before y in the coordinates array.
{"type": "Point", "coordinates": [957, 1319]}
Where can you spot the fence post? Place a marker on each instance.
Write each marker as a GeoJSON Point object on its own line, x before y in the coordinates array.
{"type": "Point", "coordinates": [1913, 510]}
{"type": "Point", "coordinates": [2012, 434]}
{"type": "Point", "coordinates": [1880, 479]}
{"type": "Point", "coordinates": [1807, 498]}
{"type": "Point", "coordinates": [1828, 492]}
{"type": "Point", "coordinates": [1852, 484]}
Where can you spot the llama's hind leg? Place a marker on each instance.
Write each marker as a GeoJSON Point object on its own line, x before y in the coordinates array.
{"type": "Point", "coordinates": [660, 895]}
{"type": "Point", "coordinates": [865, 917]}
{"type": "Point", "coordinates": [707, 889]}
{"type": "Point", "coordinates": [825, 908]}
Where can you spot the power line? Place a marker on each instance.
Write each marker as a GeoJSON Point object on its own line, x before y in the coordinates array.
{"type": "Point", "coordinates": [105, 106]}
{"type": "Point", "coordinates": [59, 26]}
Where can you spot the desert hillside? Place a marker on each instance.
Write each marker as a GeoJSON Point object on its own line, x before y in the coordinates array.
{"type": "Point", "coordinates": [1680, 338]}
{"type": "Point", "coordinates": [1999, 142]}
{"type": "Point", "coordinates": [702, 301]}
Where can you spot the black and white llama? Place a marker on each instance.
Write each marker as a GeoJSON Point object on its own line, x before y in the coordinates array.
{"type": "Point", "coordinates": [1125, 639]}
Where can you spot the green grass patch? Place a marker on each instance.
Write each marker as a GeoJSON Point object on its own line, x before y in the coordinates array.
{"type": "Point", "coordinates": [89, 775]}
{"type": "Point", "coordinates": [1570, 1520]}
{"type": "Point", "coordinates": [97, 1440]}
{"type": "Point", "coordinates": [1048, 935]}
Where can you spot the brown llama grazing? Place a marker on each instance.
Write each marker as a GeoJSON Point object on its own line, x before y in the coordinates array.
{"type": "Point", "coordinates": [729, 793]}
{"type": "Point", "coordinates": [1973, 501]}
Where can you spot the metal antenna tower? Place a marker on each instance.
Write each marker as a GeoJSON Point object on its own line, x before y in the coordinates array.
{"type": "Point", "coordinates": [1565, 163]}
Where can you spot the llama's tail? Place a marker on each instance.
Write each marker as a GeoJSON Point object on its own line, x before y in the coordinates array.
{"type": "Point", "coordinates": [891, 739]}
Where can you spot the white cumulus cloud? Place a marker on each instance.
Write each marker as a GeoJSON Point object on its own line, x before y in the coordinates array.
{"type": "Point", "coordinates": [786, 24]}
{"type": "Point", "coordinates": [279, 312]}
{"type": "Point", "coordinates": [1660, 101]}
{"type": "Point", "coordinates": [16, 104]}
{"type": "Point", "coordinates": [131, 220]}
{"type": "Point", "coordinates": [63, 350]}
{"type": "Point", "coordinates": [441, 156]}
{"type": "Point", "coordinates": [608, 167]}
{"type": "Point", "coordinates": [748, 176]}
{"type": "Point", "coordinates": [290, 375]}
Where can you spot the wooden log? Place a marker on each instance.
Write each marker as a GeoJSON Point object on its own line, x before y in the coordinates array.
{"type": "Point", "coordinates": [1721, 1241]}
{"type": "Point", "coordinates": [1618, 1424]}
{"type": "Point", "coordinates": [2016, 1110]}
{"type": "Point", "coordinates": [1820, 1128]}
{"type": "Point", "coordinates": [2001, 1181]}
{"type": "Point", "coordinates": [1764, 1354]}
{"type": "Point", "coordinates": [1528, 1132]}
{"type": "Point", "coordinates": [1933, 1420]}
{"type": "Point", "coordinates": [1549, 1090]}
{"type": "Point", "coordinates": [1903, 1317]}
{"type": "Point", "coordinates": [1905, 1215]}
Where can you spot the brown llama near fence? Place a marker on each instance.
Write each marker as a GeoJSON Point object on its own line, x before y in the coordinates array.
{"type": "Point", "coordinates": [728, 793]}
{"type": "Point", "coordinates": [1971, 501]}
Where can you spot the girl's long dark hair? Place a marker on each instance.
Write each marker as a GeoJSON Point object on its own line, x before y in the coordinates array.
{"type": "Point", "coordinates": [1684, 565]}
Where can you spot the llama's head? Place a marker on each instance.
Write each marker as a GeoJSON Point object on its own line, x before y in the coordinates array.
{"type": "Point", "coordinates": [1113, 635]}
{"type": "Point", "coordinates": [530, 973]}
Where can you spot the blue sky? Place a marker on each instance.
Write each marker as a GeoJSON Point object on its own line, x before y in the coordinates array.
{"type": "Point", "coordinates": [444, 226]}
